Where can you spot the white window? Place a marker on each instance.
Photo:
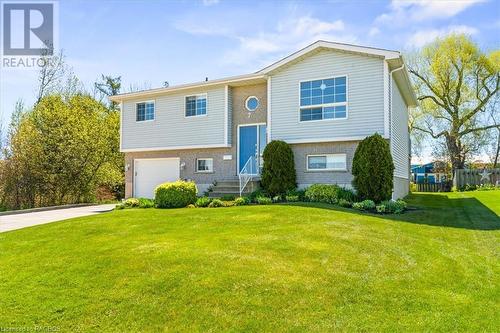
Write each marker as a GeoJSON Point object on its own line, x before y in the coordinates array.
{"type": "Point", "coordinates": [327, 162]}
{"type": "Point", "coordinates": [196, 105]}
{"type": "Point", "coordinates": [204, 165]}
{"type": "Point", "coordinates": [323, 99]}
{"type": "Point", "coordinates": [145, 111]}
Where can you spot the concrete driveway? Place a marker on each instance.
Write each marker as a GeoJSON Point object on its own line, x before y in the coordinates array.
{"type": "Point", "coordinates": [19, 221]}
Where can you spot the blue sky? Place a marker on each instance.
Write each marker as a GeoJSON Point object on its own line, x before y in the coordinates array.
{"type": "Point", "coordinates": [184, 41]}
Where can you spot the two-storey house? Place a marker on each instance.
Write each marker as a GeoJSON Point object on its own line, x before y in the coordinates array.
{"type": "Point", "coordinates": [322, 100]}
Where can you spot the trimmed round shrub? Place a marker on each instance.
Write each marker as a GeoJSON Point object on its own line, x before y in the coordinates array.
{"type": "Point", "coordinates": [278, 173]}
{"type": "Point", "coordinates": [373, 169]}
{"type": "Point", "coordinates": [203, 202]}
{"type": "Point", "coordinates": [264, 200]}
{"type": "Point", "coordinates": [176, 194]}
{"type": "Point", "coordinates": [215, 203]}
{"type": "Point", "coordinates": [394, 207]}
{"type": "Point", "coordinates": [190, 206]}
{"type": "Point", "coordinates": [322, 193]}
{"type": "Point", "coordinates": [131, 203]}
{"type": "Point", "coordinates": [241, 201]}
{"type": "Point", "coordinates": [364, 205]}
{"type": "Point", "coordinates": [146, 203]}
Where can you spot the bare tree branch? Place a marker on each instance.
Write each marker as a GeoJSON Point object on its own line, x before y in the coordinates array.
{"type": "Point", "coordinates": [478, 129]}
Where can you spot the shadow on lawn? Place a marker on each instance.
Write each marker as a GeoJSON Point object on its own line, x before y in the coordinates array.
{"type": "Point", "coordinates": [437, 210]}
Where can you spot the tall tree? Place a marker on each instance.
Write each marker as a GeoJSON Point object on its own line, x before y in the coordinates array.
{"type": "Point", "coordinates": [60, 152]}
{"type": "Point", "coordinates": [109, 86]}
{"type": "Point", "coordinates": [51, 74]}
{"type": "Point", "coordinates": [494, 135]}
{"type": "Point", "coordinates": [455, 82]}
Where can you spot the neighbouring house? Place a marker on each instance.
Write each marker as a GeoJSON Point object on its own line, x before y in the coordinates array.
{"type": "Point", "coordinates": [430, 173]}
{"type": "Point", "coordinates": [322, 100]}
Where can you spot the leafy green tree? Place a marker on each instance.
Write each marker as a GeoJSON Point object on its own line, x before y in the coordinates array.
{"type": "Point", "coordinates": [278, 173]}
{"type": "Point", "coordinates": [373, 169]}
{"type": "Point", "coordinates": [455, 83]}
{"type": "Point", "coordinates": [109, 86]}
{"type": "Point", "coordinates": [61, 151]}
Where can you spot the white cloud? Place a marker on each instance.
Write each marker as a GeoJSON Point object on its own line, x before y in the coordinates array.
{"type": "Point", "coordinates": [262, 47]}
{"type": "Point", "coordinates": [373, 31]}
{"type": "Point", "coordinates": [422, 37]}
{"type": "Point", "coordinates": [210, 2]}
{"type": "Point", "coordinates": [407, 11]}
{"type": "Point", "coordinates": [289, 35]}
{"type": "Point", "coordinates": [208, 28]}
{"type": "Point", "coordinates": [309, 25]}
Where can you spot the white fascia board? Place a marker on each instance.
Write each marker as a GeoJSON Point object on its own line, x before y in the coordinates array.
{"type": "Point", "coordinates": [318, 140]}
{"type": "Point", "coordinates": [203, 84]}
{"type": "Point", "coordinates": [131, 150]}
{"type": "Point", "coordinates": [403, 81]}
{"type": "Point", "coordinates": [334, 46]}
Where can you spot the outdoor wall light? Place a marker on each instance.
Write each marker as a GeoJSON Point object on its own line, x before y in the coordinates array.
{"type": "Point", "coordinates": [183, 165]}
{"type": "Point", "coordinates": [127, 167]}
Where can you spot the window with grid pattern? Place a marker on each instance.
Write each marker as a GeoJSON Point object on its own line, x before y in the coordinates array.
{"type": "Point", "coordinates": [145, 111]}
{"type": "Point", "coordinates": [196, 105]}
{"type": "Point", "coordinates": [323, 99]}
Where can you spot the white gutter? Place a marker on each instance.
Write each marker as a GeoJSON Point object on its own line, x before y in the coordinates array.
{"type": "Point", "coordinates": [390, 112]}
{"type": "Point", "coordinates": [390, 97]}
{"type": "Point", "coordinates": [156, 91]}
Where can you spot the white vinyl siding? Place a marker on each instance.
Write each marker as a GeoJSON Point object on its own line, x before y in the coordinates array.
{"type": "Point", "coordinates": [400, 144]}
{"type": "Point", "coordinates": [171, 128]}
{"type": "Point", "coordinates": [365, 90]}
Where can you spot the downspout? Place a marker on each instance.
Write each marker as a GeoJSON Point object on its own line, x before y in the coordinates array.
{"type": "Point", "coordinates": [390, 110]}
{"type": "Point", "coordinates": [390, 97]}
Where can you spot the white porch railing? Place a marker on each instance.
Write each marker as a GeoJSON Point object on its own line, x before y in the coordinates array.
{"type": "Point", "coordinates": [247, 173]}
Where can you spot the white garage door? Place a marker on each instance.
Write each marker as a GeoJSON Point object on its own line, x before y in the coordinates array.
{"type": "Point", "coordinates": [149, 173]}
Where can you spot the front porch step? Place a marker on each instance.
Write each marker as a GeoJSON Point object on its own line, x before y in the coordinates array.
{"type": "Point", "coordinates": [227, 188]}
{"type": "Point", "coordinates": [232, 187]}
{"type": "Point", "coordinates": [222, 194]}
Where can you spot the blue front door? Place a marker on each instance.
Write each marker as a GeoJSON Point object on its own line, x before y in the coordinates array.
{"type": "Point", "coordinates": [248, 147]}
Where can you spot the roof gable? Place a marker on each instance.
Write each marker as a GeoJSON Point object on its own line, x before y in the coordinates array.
{"type": "Point", "coordinates": [324, 45]}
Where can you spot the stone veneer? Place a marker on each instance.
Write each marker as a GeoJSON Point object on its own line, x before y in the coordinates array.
{"type": "Point", "coordinates": [306, 178]}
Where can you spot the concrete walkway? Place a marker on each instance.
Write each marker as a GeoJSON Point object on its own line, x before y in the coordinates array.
{"type": "Point", "coordinates": [19, 221]}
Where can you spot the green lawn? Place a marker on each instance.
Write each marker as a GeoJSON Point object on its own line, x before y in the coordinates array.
{"type": "Point", "coordinates": [260, 268]}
